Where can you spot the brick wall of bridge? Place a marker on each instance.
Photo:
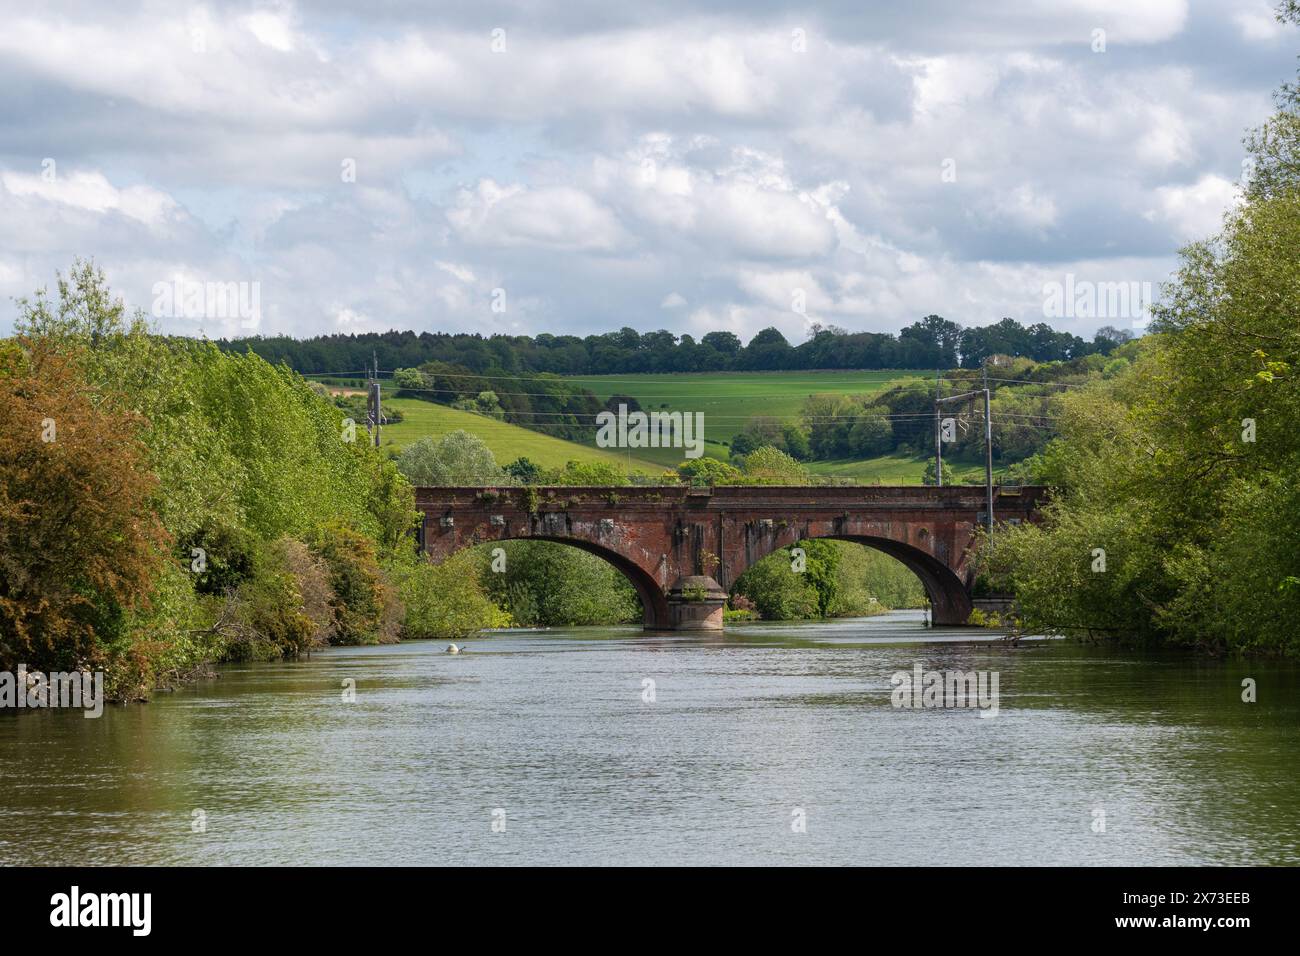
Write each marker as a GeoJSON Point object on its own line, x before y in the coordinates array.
{"type": "Point", "coordinates": [659, 536]}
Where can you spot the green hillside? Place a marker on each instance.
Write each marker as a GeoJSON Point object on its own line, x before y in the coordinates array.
{"type": "Point", "coordinates": [895, 470]}
{"type": "Point", "coordinates": [507, 442]}
{"type": "Point", "coordinates": [729, 399]}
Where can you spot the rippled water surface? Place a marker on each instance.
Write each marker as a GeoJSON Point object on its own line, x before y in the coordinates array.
{"type": "Point", "coordinates": [747, 734]}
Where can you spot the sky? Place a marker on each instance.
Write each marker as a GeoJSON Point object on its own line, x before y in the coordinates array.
{"type": "Point", "coordinates": [574, 166]}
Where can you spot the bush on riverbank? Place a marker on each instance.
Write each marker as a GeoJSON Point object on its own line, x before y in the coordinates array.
{"type": "Point", "coordinates": [165, 505]}
{"type": "Point", "coordinates": [444, 601]}
{"type": "Point", "coordinates": [270, 615]}
{"type": "Point", "coordinates": [364, 606]}
{"type": "Point", "coordinates": [80, 546]}
{"type": "Point", "coordinates": [544, 584]}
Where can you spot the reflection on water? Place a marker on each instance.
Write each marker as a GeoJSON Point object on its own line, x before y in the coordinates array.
{"type": "Point", "coordinates": [553, 728]}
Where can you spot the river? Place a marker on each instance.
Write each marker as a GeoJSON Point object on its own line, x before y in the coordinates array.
{"type": "Point", "coordinates": [770, 744]}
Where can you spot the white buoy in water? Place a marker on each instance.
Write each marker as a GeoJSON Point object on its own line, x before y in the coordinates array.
{"type": "Point", "coordinates": [453, 649]}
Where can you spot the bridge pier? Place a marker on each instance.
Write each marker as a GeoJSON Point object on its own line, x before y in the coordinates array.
{"type": "Point", "coordinates": [696, 603]}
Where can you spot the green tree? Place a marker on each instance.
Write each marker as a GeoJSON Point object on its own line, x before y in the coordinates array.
{"type": "Point", "coordinates": [240, 454]}
{"type": "Point", "coordinates": [927, 477]}
{"type": "Point", "coordinates": [273, 616]}
{"type": "Point", "coordinates": [485, 402]}
{"type": "Point", "coordinates": [822, 559]}
{"type": "Point", "coordinates": [1275, 146]}
{"type": "Point", "coordinates": [366, 610]}
{"type": "Point", "coordinates": [869, 582]}
{"type": "Point", "coordinates": [828, 418]}
{"type": "Point", "coordinates": [777, 591]}
{"type": "Point", "coordinates": [872, 433]}
{"type": "Point", "coordinates": [524, 471]}
{"type": "Point", "coordinates": [1177, 477]}
{"type": "Point", "coordinates": [705, 471]}
{"type": "Point", "coordinates": [590, 473]}
{"type": "Point", "coordinates": [545, 584]}
{"type": "Point", "coordinates": [796, 442]}
{"type": "Point", "coordinates": [771, 466]}
{"type": "Point", "coordinates": [760, 430]}
{"type": "Point", "coordinates": [445, 601]}
{"type": "Point", "coordinates": [457, 458]}
{"type": "Point", "coordinates": [79, 543]}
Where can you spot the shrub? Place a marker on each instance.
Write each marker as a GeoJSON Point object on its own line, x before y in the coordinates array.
{"type": "Point", "coordinates": [163, 444]}
{"type": "Point", "coordinates": [771, 466]}
{"type": "Point", "coordinates": [588, 473]}
{"type": "Point", "coordinates": [444, 600]}
{"type": "Point", "coordinates": [271, 621]}
{"type": "Point", "coordinates": [776, 591]}
{"type": "Point", "coordinates": [705, 471]}
{"type": "Point", "coordinates": [365, 608]}
{"type": "Point", "coordinates": [311, 576]}
{"type": "Point", "coordinates": [555, 585]}
{"type": "Point", "coordinates": [80, 546]}
{"type": "Point", "coordinates": [228, 554]}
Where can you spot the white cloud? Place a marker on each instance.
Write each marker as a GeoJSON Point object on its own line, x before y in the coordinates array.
{"type": "Point", "coordinates": [1257, 22]}
{"type": "Point", "coordinates": [271, 29]}
{"type": "Point", "coordinates": [745, 203]}
{"type": "Point", "coordinates": [1025, 206]}
{"type": "Point", "coordinates": [352, 321]}
{"type": "Point", "coordinates": [1196, 210]}
{"type": "Point", "coordinates": [602, 162]}
{"type": "Point", "coordinates": [1126, 22]}
{"type": "Point", "coordinates": [558, 217]}
{"type": "Point", "coordinates": [91, 191]}
{"type": "Point", "coordinates": [951, 81]}
{"type": "Point", "coordinates": [1166, 140]}
{"type": "Point", "coordinates": [460, 272]}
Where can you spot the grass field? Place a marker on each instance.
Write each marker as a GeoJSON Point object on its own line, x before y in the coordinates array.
{"type": "Point", "coordinates": [895, 470]}
{"type": "Point", "coordinates": [507, 442]}
{"type": "Point", "coordinates": [729, 399]}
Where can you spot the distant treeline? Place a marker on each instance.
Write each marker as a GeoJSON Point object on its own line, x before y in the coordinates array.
{"type": "Point", "coordinates": [933, 342]}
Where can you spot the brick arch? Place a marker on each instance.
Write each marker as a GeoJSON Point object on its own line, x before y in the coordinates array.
{"type": "Point", "coordinates": [948, 593]}
{"type": "Point", "coordinates": [654, 603]}
{"type": "Point", "coordinates": [949, 596]}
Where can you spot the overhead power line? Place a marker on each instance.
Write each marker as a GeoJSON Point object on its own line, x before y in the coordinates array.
{"type": "Point", "coordinates": [1022, 381]}
{"type": "Point", "coordinates": [669, 377]}
{"type": "Point", "coordinates": [821, 419]}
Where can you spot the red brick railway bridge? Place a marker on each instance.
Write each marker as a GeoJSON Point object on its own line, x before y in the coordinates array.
{"type": "Point", "coordinates": [683, 548]}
